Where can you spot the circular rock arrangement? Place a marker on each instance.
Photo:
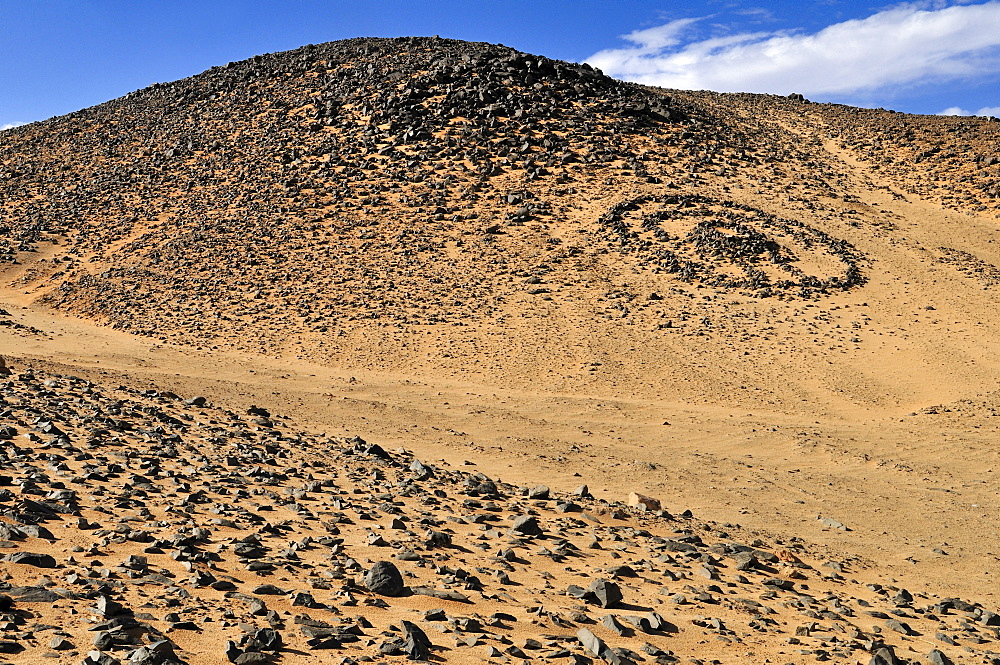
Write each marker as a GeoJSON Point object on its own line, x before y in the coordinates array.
{"type": "Point", "coordinates": [731, 246]}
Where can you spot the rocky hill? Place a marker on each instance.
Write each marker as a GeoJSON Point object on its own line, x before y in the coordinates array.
{"type": "Point", "coordinates": [355, 168]}
{"type": "Point", "coordinates": [425, 181]}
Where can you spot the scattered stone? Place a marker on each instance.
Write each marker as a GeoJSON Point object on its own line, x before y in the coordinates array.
{"type": "Point", "coordinates": [606, 594]}
{"type": "Point", "coordinates": [60, 644]}
{"type": "Point", "coordinates": [441, 594]}
{"type": "Point", "coordinates": [37, 595]}
{"type": "Point", "coordinates": [884, 656]}
{"type": "Point", "coordinates": [832, 523]}
{"type": "Point", "coordinates": [527, 525]}
{"type": "Point", "coordinates": [599, 649]}
{"type": "Point", "coordinates": [898, 626]}
{"type": "Point", "coordinates": [384, 579]}
{"type": "Point", "coordinates": [31, 559]}
{"type": "Point", "coordinates": [416, 645]}
{"type": "Point", "coordinates": [538, 493]}
{"type": "Point", "coordinates": [935, 657]}
{"type": "Point", "coordinates": [253, 658]}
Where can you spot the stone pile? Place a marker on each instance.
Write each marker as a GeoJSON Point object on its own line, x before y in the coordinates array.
{"type": "Point", "coordinates": [720, 236]}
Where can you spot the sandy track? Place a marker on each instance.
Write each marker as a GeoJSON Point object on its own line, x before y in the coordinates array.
{"type": "Point", "coordinates": [903, 485]}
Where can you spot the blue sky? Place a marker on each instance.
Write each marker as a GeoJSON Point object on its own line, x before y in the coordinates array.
{"type": "Point", "coordinates": [57, 56]}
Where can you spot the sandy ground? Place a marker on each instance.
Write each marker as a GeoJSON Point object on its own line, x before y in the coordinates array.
{"type": "Point", "coordinates": [837, 434]}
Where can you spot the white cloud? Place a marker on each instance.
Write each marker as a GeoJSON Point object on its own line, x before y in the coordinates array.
{"type": "Point", "coordinates": [11, 125]}
{"type": "Point", "coordinates": [986, 111]}
{"type": "Point", "coordinates": [906, 44]}
{"type": "Point", "coordinates": [660, 37]}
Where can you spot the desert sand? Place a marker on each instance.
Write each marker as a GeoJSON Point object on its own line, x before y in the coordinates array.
{"type": "Point", "coordinates": [777, 315]}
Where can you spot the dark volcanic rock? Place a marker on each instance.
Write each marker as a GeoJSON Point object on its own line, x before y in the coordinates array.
{"type": "Point", "coordinates": [604, 593]}
{"type": "Point", "coordinates": [384, 579]}
{"type": "Point", "coordinates": [417, 645]}
{"type": "Point", "coordinates": [31, 559]}
{"type": "Point", "coordinates": [37, 595]}
{"type": "Point", "coordinates": [527, 525]}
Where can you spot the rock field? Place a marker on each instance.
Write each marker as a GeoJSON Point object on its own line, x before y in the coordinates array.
{"type": "Point", "coordinates": [423, 181]}
{"type": "Point", "coordinates": [146, 528]}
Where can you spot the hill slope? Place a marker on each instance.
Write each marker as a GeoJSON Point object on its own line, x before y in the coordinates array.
{"type": "Point", "coordinates": [390, 190]}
